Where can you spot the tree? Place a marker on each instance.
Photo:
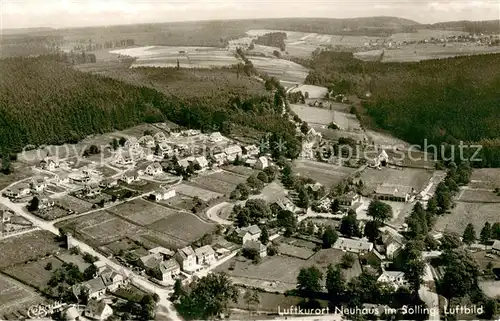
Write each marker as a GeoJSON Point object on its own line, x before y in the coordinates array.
{"type": "Point", "coordinates": [495, 231]}
{"type": "Point", "coordinates": [347, 261]}
{"type": "Point", "coordinates": [335, 206]}
{"type": "Point", "coordinates": [251, 298]}
{"type": "Point", "coordinates": [114, 144]}
{"type": "Point", "coordinates": [178, 290]}
{"type": "Point", "coordinates": [485, 233]}
{"type": "Point", "coordinates": [450, 241]}
{"type": "Point", "coordinates": [379, 211]}
{"type": "Point", "coordinates": [330, 236]}
{"type": "Point", "coordinates": [48, 266]}
{"type": "Point", "coordinates": [414, 267]}
{"type": "Point", "coordinates": [6, 168]}
{"type": "Point", "coordinates": [262, 176]}
{"type": "Point", "coordinates": [34, 204]}
{"type": "Point", "coordinates": [349, 226]}
{"type": "Point", "coordinates": [264, 236]}
{"type": "Point", "coordinates": [372, 231]}
{"type": "Point", "coordinates": [207, 297]}
{"type": "Point", "coordinates": [90, 272]}
{"type": "Point", "coordinates": [286, 219]}
{"type": "Point", "coordinates": [148, 305]}
{"type": "Point", "coordinates": [271, 172]}
{"type": "Point", "coordinates": [255, 183]}
{"type": "Point", "coordinates": [461, 274]}
{"type": "Point", "coordinates": [122, 141]}
{"type": "Point", "coordinates": [303, 200]}
{"type": "Point", "coordinates": [309, 280]}
{"type": "Point", "coordinates": [490, 309]}
{"type": "Point", "coordinates": [304, 128]}
{"type": "Point", "coordinates": [469, 234]}
{"type": "Point", "coordinates": [335, 282]}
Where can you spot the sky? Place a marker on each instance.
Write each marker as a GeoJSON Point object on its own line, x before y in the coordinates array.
{"type": "Point", "coordinates": [76, 13]}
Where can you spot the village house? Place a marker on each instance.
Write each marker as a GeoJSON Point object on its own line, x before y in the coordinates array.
{"type": "Point", "coordinates": [108, 183]}
{"type": "Point", "coordinates": [147, 141]}
{"type": "Point", "coordinates": [71, 313]}
{"type": "Point", "coordinates": [79, 178]}
{"type": "Point", "coordinates": [160, 137]}
{"type": "Point", "coordinates": [91, 190]}
{"type": "Point", "coordinates": [112, 280]}
{"type": "Point", "coordinates": [62, 178]}
{"type": "Point", "coordinates": [395, 278]}
{"type": "Point", "coordinates": [98, 310]}
{"type": "Point", "coordinates": [100, 266]}
{"type": "Point", "coordinates": [216, 137]}
{"type": "Point", "coordinates": [495, 248]}
{"type": "Point", "coordinates": [95, 288]}
{"type": "Point", "coordinates": [123, 158]}
{"type": "Point", "coordinates": [286, 204]}
{"type": "Point", "coordinates": [38, 184]}
{"type": "Point", "coordinates": [184, 163]}
{"type": "Point", "coordinates": [130, 176]}
{"type": "Point", "coordinates": [233, 152]}
{"type": "Point", "coordinates": [168, 270]}
{"type": "Point", "coordinates": [49, 163]}
{"type": "Point", "coordinates": [314, 188]}
{"type": "Point", "coordinates": [250, 233]}
{"type": "Point", "coordinates": [45, 203]}
{"type": "Point", "coordinates": [392, 244]}
{"type": "Point", "coordinates": [261, 163]}
{"type": "Point", "coordinates": [150, 261]}
{"type": "Point", "coordinates": [162, 194]}
{"type": "Point", "coordinates": [250, 162]}
{"type": "Point", "coordinates": [132, 143]}
{"type": "Point", "coordinates": [18, 191]}
{"type": "Point", "coordinates": [251, 150]}
{"type": "Point", "coordinates": [219, 159]}
{"type": "Point", "coordinates": [154, 169]}
{"type": "Point", "coordinates": [165, 149]}
{"type": "Point", "coordinates": [395, 193]}
{"type": "Point", "coordinates": [378, 161]}
{"type": "Point", "coordinates": [187, 259]}
{"type": "Point", "coordinates": [351, 245]}
{"type": "Point", "coordinates": [164, 252]}
{"type": "Point", "coordinates": [312, 135]}
{"type": "Point", "coordinates": [190, 132]}
{"type": "Point", "coordinates": [349, 199]}
{"type": "Point", "coordinates": [201, 162]}
{"type": "Point", "coordinates": [257, 246]}
{"type": "Point", "coordinates": [205, 255]}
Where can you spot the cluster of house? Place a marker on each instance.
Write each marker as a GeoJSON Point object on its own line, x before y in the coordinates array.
{"type": "Point", "coordinates": [249, 237]}
{"type": "Point", "coordinates": [310, 139]}
{"type": "Point", "coordinates": [166, 265]}
{"type": "Point", "coordinates": [34, 186]}
{"type": "Point", "coordinates": [12, 223]}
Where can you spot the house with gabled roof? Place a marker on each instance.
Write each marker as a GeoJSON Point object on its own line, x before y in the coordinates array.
{"type": "Point", "coordinates": [205, 255]}
{"type": "Point", "coordinates": [251, 150]}
{"type": "Point", "coordinates": [261, 163]}
{"type": "Point", "coordinates": [95, 288]}
{"type": "Point", "coordinates": [201, 161]}
{"type": "Point", "coordinates": [392, 244]}
{"type": "Point", "coordinates": [352, 245]}
{"type": "Point", "coordinates": [18, 191]}
{"type": "Point", "coordinates": [147, 141]}
{"type": "Point", "coordinates": [160, 137]}
{"type": "Point", "coordinates": [164, 252]}
{"type": "Point", "coordinates": [257, 246]}
{"type": "Point", "coordinates": [216, 137]}
{"type": "Point", "coordinates": [233, 152]}
{"type": "Point", "coordinates": [250, 233]}
{"type": "Point", "coordinates": [219, 158]}
{"type": "Point", "coordinates": [38, 184]}
{"type": "Point", "coordinates": [49, 163]}
{"type": "Point", "coordinates": [395, 193]}
{"type": "Point", "coordinates": [130, 176]}
{"type": "Point", "coordinates": [112, 280]}
{"type": "Point", "coordinates": [162, 194]}
{"type": "Point", "coordinates": [123, 157]}
{"type": "Point", "coordinates": [168, 270]}
{"type": "Point", "coordinates": [495, 248]}
{"type": "Point", "coordinates": [349, 199]}
{"type": "Point", "coordinates": [395, 278]}
{"type": "Point", "coordinates": [186, 257]}
{"type": "Point", "coordinates": [98, 310]}
{"type": "Point", "coordinates": [154, 169]}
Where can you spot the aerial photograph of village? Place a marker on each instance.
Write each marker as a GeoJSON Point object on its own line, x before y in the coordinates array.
{"type": "Point", "coordinates": [248, 166]}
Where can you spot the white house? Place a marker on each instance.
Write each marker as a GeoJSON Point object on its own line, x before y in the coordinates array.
{"type": "Point", "coordinates": [261, 163]}
{"type": "Point", "coordinates": [98, 310]}
{"type": "Point", "coordinates": [163, 194]}
{"type": "Point", "coordinates": [92, 189]}
{"type": "Point", "coordinates": [396, 193]}
{"type": "Point", "coordinates": [233, 152]}
{"type": "Point", "coordinates": [132, 143]}
{"type": "Point", "coordinates": [38, 184]}
{"type": "Point", "coordinates": [45, 203]}
{"type": "Point", "coordinates": [164, 252]}
{"type": "Point", "coordinates": [201, 161]}
{"type": "Point", "coordinates": [216, 137]}
{"type": "Point", "coordinates": [251, 150]}
{"type": "Point", "coordinates": [154, 169]}
{"type": "Point", "coordinates": [62, 178]}
{"type": "Point", "coordinates": [160, 137]}
{"type": "Point", "coordinates": [169, 270]}
{"type": "Point", "coordinates": [351, 245]}
{"type": "Point", "coordinates": [349, 199]}
{"type": "Point", "coordinates": [112, 280]}
{"type": "Point", "coordinates": [130, 177]}
{"type": "Point", "coordinates": [19, 191]}
{"type": "Point", "coordinates": [165, 149]}
{"type": "Point", "coordinates": [495, 248]}
{"type": "Point", "coordinates": [187, 259]}
{"type": "Point", "coordinates": [220, 159]}
{"type": "Point", "coordinates": [123, 158]}
{"type": "Point", "coordinates": [313, 135]}
{"type": "Point", "coordinates": [392, 244]}
{"type": "Point", "coordinates": [147, 141]}
{"type": "Point", "coordinates": [205, 255]}
{"type": "Point", "coordinates": [250, 233]}
{"type": "Point", "coordinates": [394, 278]}
{"type": "Point", "coordinates": [95, 288]}
{"type": "Point", "coordinates": [257, 246]}
{"type": "Point", "coordinates": [49, 163]}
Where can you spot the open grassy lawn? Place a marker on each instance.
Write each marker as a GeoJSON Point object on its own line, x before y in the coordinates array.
{"type": "Point", "coordinates": [75, 259]}
{"type": "Point", "coordinates": [485, 178]}
{"type": "Point", "coordinates": [15, 299]}
{"type": "Point", "coordinates": [229, 177]}
{"type": "Point", "coordinates": [289, 267]}
{"type": "Point", "coordinates": [241, 170]}
{"type": "Point", "coordinates": [25, 247]}
{"type": "Point", "coordinates": [34, 273]}
{"type": "Point", "coordinates": [142, 212]}
{"type": "Point", "coordinates": [180, 202]}
{"type": "Point", "coordinates": [271, 192]}
{"type": "Point", "coordinates": [193, 191]}
{"type": "Point", "coordinates": [313, 115]}
{"type": "Point", "coordinates": [184, 226]}
{"type": "Point", "coordinates": [416, 178]}
{"type": "Point", "coordinates": [483, 196]}
{"type": "Point", "coordinates": [326, 174]}
{"type": "Point", "coordinates": [213, 184]}
{"type": "Point", "coordinates": [465, 213]}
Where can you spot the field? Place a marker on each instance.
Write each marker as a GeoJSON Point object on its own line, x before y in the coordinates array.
{"type": "Point", "coordinates": [15, 298]}
{"type": "Point", "coordinates": [483, 196]}
{"type": "Point", "coordinates": [271, 192]}
{"type": "Point", "coordinates": [324, 116]}
{"type": "Point", "coordinates": [326, 174]}
{"type": "Point", "coordinates": [285, 277]}
{"type": "Point", "coordinates": [314, 92]}
{"type": "Point", "coordinates": [25, 247]}
{"type": "Point", "coordinates": [142, 212]}
{"type": "Point", "coordinates": [486, 178]}
{"type": "Point", "coordinates": [284, 70]}
{"type": "Point", "coordinates": [34, 273]}
{"type": "Point", "coordinates": [212, 183]}
{"type": "Point", "coordinates": [184, 226]}
{"type": "Point", "coordinates": [73, 203]}
{"type": "Point", "coordinates": [193, 191]}
{"type": "Point", "coordinates": [295, 251]}
{"type": "Point", "coordinates": [423, 34]}
{"type": "Point", "coordinates": [75, 259]}
{"type": "Point", "coordinates": [241, 170]}
{"type": "Point", "coordinates": [465, 213]}
{"type": "Point", "coordinates": [152, 239]}
{"type": "Point", "coordinates": [419, 52]}
{"type": "Point", "coordinates": [416, 178]}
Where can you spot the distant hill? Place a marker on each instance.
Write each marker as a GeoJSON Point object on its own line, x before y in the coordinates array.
{"type": "Point", "coordinates": [487, 26]}
{"type": "Point", "coordinates": [20, 31]}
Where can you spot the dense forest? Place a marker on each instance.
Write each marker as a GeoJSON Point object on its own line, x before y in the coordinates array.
{"type": "Point", "coordinates": [272, 39]}
{"type": "Point", "coordinates": [486, 26]}
{"type": "Point", "coordinates": [443, 101]}
{"type": "Point", "coordinates": [46, 102]}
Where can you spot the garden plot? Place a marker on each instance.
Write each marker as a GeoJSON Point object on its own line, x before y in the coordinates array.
{"type": "Point", "coordinates": [213, 184]}
{"type": "Point", "coordinates": [15, 297]}
{"type": "Point", "coordinates": [153, 239]}
{"type": "Point", "coordinates": [35, 273]}
{"type": "Point", "coordinates": [193, 191]}
{"type": "Point", "coordinates": [241, 170]}
{"type": "Point", "coordinates": [479, 196]}
{"type": "Point", "coordinates": [142, 212]}
{"type": "Point", "coordinates": [326, 174]}
{"type": "Point", "coordinates": [184, 226]}
{"type": "Point", "coordinates": [73, 203]}
{"type": "Point", "coordinates": [485, 178]}
{"type": "Point", "coordinates": [110, 231]}
{"type": "Point", "coordinates": [229, 177]}
{"type": "Point", "coordinates": [21, 248]}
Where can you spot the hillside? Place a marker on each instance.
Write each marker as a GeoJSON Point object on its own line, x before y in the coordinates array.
{"type": "Point", "coordinates": [443, 101]}
{"type": "Point", "coordinates": [487, 26]}
{"type": "Point", "coordinates": [47, 102]}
